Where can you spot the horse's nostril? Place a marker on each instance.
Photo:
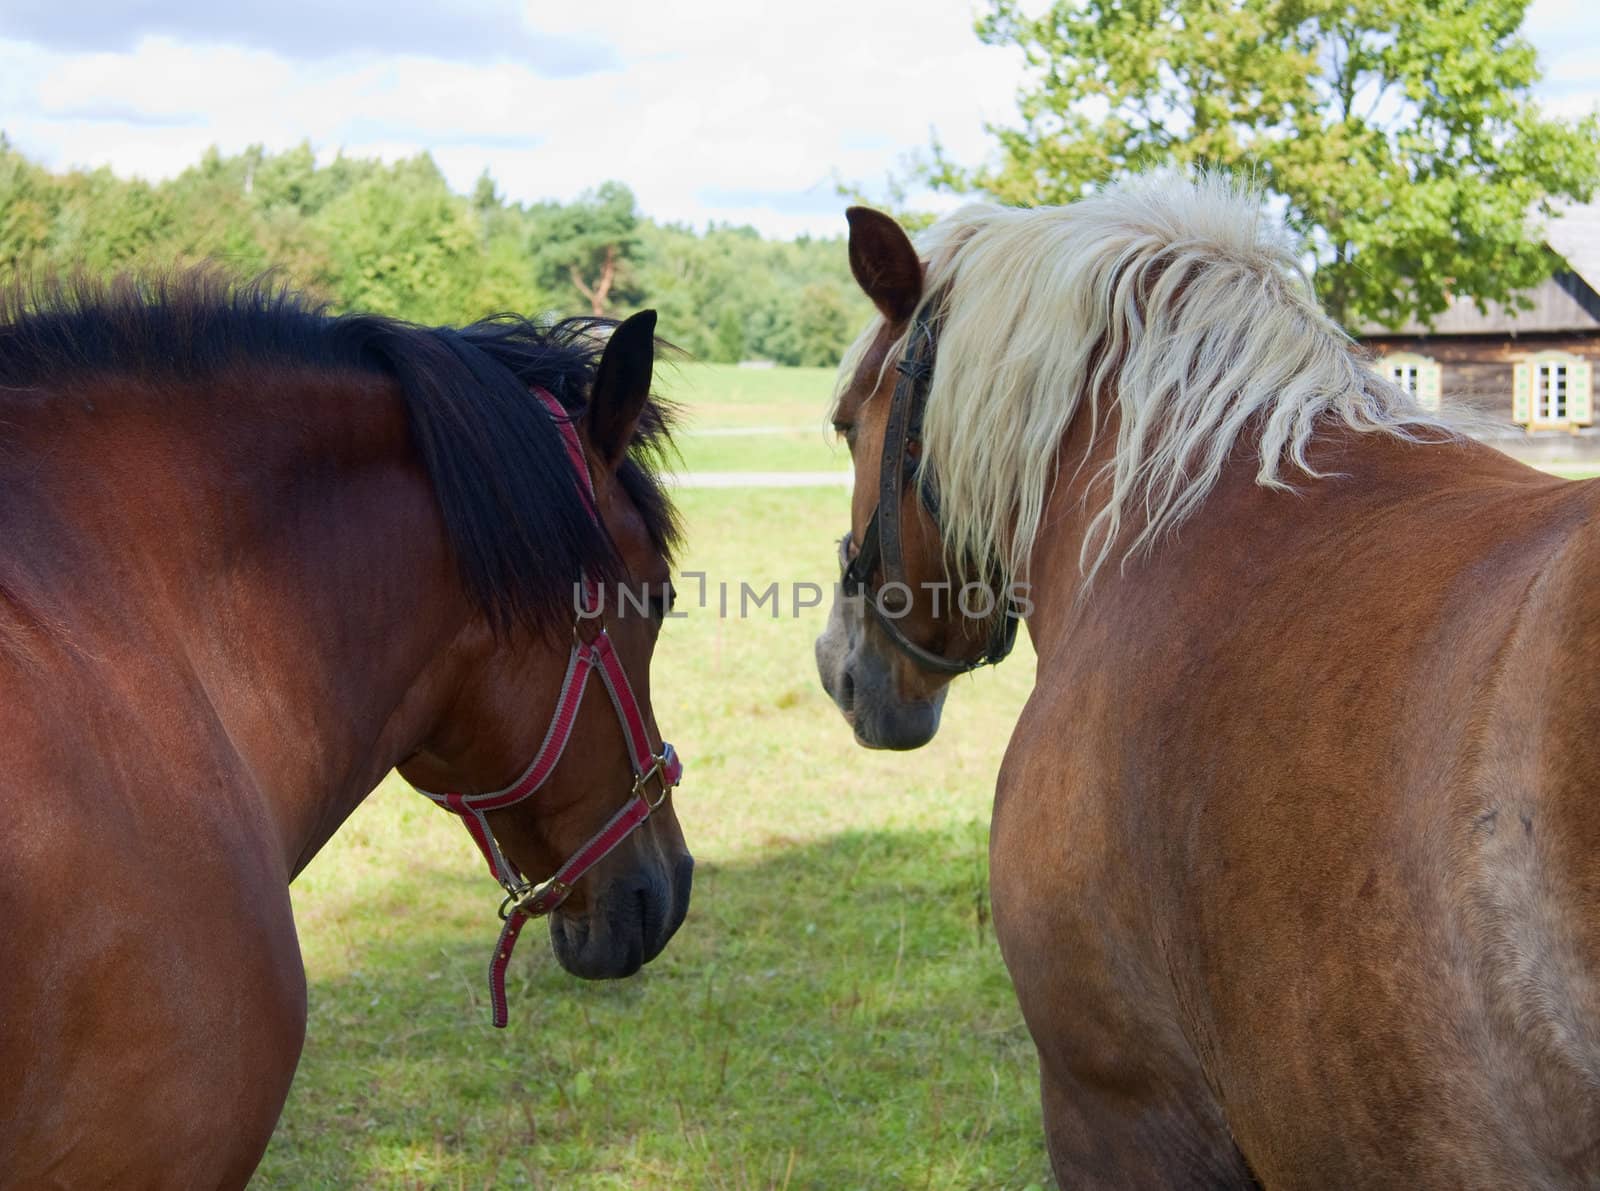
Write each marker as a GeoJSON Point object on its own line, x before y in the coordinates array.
{"type": "Point", "coordinates": [847, 691]}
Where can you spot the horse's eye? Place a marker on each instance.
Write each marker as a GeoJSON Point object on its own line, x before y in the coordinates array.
{"type": "Point", "coordinates": [847, 431]}
{"type": "Point", "coordinates": [663, 600]}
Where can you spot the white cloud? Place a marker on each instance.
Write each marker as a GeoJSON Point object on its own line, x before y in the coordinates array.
{"type": "Point", "coordinates": [721, 110]}
{"type": "Point", "coordinates": [309, 30]}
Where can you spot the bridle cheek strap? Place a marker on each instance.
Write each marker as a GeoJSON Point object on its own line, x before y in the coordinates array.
{"type": "Point", "coordinates": [880, 546]}
{"type": "Point", "coordinates": [524, 899]}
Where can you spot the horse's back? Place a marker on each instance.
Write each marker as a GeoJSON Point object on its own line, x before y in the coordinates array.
{"type": "Point", "coordinates": [1529, 866]}
{"type": "Point", "coordinates": [1391, 802]}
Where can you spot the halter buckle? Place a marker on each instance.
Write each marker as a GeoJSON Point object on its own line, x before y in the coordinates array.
{"type": "Point", "coordinates": [658, 763]}
{"type": "Point", "coordinates": [522, 899]}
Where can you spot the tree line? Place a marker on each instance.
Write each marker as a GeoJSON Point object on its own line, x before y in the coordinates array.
{"type": "Point", "coordinates": [1401, 141]}
{"type": "Point", "coordinates": [363, 234]}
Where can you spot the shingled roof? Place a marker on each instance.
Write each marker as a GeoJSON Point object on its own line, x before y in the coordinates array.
{"type": "Point", "coordinates": [1575, 234]}
{"type": "Point", "coordinates": [1569, 301]}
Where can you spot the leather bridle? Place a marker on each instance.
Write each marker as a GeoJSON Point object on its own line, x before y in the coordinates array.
{"type": "Point", "coordinates": [881, 546]}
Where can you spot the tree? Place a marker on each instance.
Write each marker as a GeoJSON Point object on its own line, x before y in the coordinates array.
{"type": "Point", "coordinates": [815, 330]}
{"type": "Point", "coordinates": [28, 202]}
{"type": "Point", "coordinates": [1400, 137]}
{"type": "Point", "coordinates": [728, 346]}
{"type": "Point", "coordinates": [403, 244]}
{"type": "Point", "coordinates": [591, 244]}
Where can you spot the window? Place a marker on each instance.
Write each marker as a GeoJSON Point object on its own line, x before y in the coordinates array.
{"type": "Point", "coordinates": [1417, 375]}
{"type": "Point", "coordinates": [1552, 391]}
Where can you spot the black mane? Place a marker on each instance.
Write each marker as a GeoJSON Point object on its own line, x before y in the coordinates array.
{"type": "Point", "coordinates": [519, 530]}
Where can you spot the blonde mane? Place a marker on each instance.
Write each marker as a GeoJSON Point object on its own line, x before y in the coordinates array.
{"type": "Point", "coordinates": [1181, 305]}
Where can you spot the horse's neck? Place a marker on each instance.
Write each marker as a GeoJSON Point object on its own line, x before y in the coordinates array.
{"type": "Point", "coordinates": [1056, 586]}
{"type": "Point", "coordinates": [284, 542]}
{"type": "Point", "coordinates": [1054, 577]}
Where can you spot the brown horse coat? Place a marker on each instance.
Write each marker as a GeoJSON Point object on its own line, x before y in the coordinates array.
{"type": "Point", "coordinates": [1295, 857]}
{"type": "Point", "coordinates": [228, 606]}
{"type": "Point", "coordinates": [1294, 851]}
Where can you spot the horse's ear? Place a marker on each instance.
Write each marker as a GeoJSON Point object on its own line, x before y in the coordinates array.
{"type": "Point", "coordinates": [884, 262]}
{"type": "Point", "coordinates": [621, 386]}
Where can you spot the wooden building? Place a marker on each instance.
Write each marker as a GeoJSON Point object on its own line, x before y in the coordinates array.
{"type": "Point", "coordinates": [1525, 377]}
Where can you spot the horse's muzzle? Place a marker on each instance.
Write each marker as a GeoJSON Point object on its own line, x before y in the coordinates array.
{"type": "Point", "coordinates": [626, 925]}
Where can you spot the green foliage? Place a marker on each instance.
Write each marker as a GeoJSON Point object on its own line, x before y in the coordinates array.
{"type": "Point", "coordinates": [27, 210]}
{"type": "Point", "coordinates": [401, 241]}
{"type": "Point", "coordinates": [395, 239]}
{"type": "Point", "coordinates": [1400, 137]}
{"type": "Point", "coordinates": [590, 246]}
{"type": "Point", "coordinates": [730, 295]}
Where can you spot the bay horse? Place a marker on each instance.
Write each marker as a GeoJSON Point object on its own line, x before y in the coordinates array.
{"type": "Point", "coordinates": [1295, 851]}
{"type": "Point", "coordinates": [252, 557]}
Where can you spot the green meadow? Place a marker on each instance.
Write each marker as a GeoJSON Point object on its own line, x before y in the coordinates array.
{"type": "Point", "coordinates": [834, 1012]}
{"type": "Point", "coordinates": [754, 419]}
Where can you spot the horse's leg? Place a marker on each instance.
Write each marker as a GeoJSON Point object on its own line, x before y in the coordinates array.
{"type": "Point", "coordinates": [154, 1013]}
{"type": "Point", "coordinates": [1126, 1103]}
{"type": "Point", "coordinates": [241, 1004]}
{"type": "Point", "coordinates": [1135, 1133]}
{"type": "Point", "coordinates": [271, 978]}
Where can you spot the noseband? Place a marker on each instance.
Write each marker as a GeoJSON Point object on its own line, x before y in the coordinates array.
{"type": "Point", "coordinates": [881, 544]}
{"type": "Point", "coordinates": [525, 899]}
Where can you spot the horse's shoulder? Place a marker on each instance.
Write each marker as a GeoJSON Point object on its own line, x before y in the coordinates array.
{"type": "Point", "coordinates": [1558, 608]}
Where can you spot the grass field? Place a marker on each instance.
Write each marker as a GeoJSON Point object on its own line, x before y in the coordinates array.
{"type": "Point", "coordinates": [753, 419]}
{"type": "Point", "coordinates": [834, 1012]}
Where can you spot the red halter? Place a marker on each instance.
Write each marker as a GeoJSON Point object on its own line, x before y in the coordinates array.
{"type": "Point", "coordinates": [524, 899]}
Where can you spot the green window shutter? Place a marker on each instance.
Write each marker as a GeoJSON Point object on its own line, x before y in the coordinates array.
{"type": "Point", "coordinates": [1580, 393]}
{"type": "Point", "coordinates": [1522, 392]}
{"type": "Point", "coordinates": [1429, 384]}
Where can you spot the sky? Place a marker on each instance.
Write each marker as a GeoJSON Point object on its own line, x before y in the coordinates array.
{"type": "Point", "coordinates": [729, 111]}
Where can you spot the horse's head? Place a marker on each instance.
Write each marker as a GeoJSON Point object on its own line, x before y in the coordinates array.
{"type": "Point", "coordinates": [905, 622]}
{"type": "Point", "coordinates": [606, 784]}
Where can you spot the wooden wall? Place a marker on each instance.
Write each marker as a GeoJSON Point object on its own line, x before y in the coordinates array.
{"type": "Point", "coordinates": [1477, 368]}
